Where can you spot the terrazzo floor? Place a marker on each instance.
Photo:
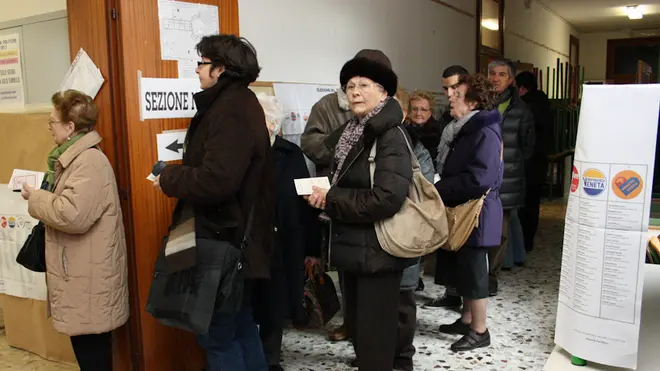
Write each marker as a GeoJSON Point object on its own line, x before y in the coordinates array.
{"type": "Point", "coordinates": [521, 320]}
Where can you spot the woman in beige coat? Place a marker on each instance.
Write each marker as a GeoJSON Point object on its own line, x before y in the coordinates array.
{"type": "Point", "coordinates": [85, 243]}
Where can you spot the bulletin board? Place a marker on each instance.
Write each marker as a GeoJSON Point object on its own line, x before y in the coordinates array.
{"type": "Point", "coordinates": [25, 142]}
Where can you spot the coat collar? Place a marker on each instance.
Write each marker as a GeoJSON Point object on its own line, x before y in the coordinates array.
{"type": "Point", "coordinates": [90, 140]}
{"type": "Point", "coordinates": [283, 145]}
{"type": "Point", "coordinates": [481, 120]}
{"type": "Point", "coordinates": [205, 98]}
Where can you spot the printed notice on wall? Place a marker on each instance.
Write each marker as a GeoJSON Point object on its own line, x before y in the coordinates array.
{"type": "Point", "coordinates": [298, 100]}
{"type": "Point", "coordinates": [167, 98]}
{"type": "Point", "coordinates": [182, 25]}
{"type": "Point", "coordinates": [11, 75]}
{"type": "Point", "coordinates": [606, 231]}
{"type": "Point", "coordinates": [15, 226]}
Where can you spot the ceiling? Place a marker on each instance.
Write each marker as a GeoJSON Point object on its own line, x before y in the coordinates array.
{"type": "Point", "coordinates": [605, 15]}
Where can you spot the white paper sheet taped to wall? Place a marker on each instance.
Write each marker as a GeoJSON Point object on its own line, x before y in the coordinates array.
{"type": "Point", "coordinates": [83, 75]}
{"type": "Point", "coordinates": [15, 226]}
{"type": "Point", "coordinates": [182, 25]}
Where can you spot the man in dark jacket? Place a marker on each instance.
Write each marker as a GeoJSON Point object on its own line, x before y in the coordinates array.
{"type": "Point", "coordinates": [518, 137]}
{"type": "Point", "coordinates": [450, 81]}
{"type": "Point", "coordinates": [539, 104]}
{"type": "Point", "coordinates": [227, 175]}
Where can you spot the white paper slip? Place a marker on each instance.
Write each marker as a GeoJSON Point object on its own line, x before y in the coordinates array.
{"type": "Point", "coordinates": [83, 75]}
{"type": "Point", "coordinates": [304, 186]}
{"type": "Point", "coordinates": [20, 177]}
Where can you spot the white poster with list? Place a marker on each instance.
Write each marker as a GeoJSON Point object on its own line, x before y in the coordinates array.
{"type": "Point", "coordinates": [607, 217]}
{"type": "Point", "coordinates": [11, 75]}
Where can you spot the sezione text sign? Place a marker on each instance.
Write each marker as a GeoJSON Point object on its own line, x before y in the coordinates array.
{"type": "Point", "coordinates": [167, 98]}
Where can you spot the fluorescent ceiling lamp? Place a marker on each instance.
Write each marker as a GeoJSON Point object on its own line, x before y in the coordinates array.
{"type": "Point", "coordinates": [490, 24]}
{"type": "Point", "coordinates": [634, 12]}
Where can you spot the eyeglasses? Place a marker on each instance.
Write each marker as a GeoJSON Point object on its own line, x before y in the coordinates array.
{"type": "Point", "coordinates": [348, 88]}
{"type": "Point", "coordinates": [51, 122]}
{"type": "Point", "coordinates": [202, 63]}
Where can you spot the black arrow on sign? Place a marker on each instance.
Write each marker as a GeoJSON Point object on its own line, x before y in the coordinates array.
{"type": "Point", "coordinates": [175, 146]}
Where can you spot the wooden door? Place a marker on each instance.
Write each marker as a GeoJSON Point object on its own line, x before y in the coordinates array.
{"type": "Point", "coordinates": [122, 37]}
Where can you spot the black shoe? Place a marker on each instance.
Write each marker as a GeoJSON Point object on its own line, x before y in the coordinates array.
{"type": "Point", "coordinates": [275, 368]}
{"type": "Point", "coordinates": [471, 341]}
{"type": "Point", "coordinates": [493, 287]}
{"type": "Point", "coordinates": [353, 363]}
{"type": "Point", "coordinates": [456, 328]}
{"type": "Point", "coordinates": [445, 301]}
{"type": "Point", "coordinates": [420, 285]}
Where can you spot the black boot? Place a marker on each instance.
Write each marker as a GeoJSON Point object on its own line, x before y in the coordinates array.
{"type": "Point", "coordinates": [471, 341]}
{"type": "Point", "coordinates": [446, 301]}
{"type": "Point", "coordinates": [456, 328]}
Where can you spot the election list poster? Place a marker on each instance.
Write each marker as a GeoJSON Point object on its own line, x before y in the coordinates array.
{"type": "Point", "coordinates": [15, 226]}
{"type": "Point", "coordinates": [11, 75]}
{"type": "Point", "coordinates": [606, 230]}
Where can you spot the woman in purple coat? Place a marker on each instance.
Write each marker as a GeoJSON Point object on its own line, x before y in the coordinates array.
{"type": "Point", "coordinates": [472, 167]}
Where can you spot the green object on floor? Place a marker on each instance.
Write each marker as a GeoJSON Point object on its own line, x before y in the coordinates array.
{"type": "Point", "coordinates": [577, 361]}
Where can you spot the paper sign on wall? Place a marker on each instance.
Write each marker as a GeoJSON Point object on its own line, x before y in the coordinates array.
{"type": "Point", "coordinates": [15, 226]}
{"type": "Point", "coordinates": [182, 25]}
{"type": "Point", "coordinates": [167, 98]}
{"type": "Point", "coordinates": [11, 75]}
{"type": "Point", "coordinates": [83, 75]}
{"type": "Point", "coordinates": [170, 145]}
{"type": "Point", "coordinates": [606, 229]}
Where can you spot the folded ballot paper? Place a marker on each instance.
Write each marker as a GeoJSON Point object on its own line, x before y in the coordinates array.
{"type": "Point", "coordinates": [83, 75]}
{"type": "Point", "coordinates": [304, 186]}
{"type": "Point", "coordinates": [20, 177]}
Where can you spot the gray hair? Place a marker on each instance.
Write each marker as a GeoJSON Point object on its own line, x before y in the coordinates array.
{"type": "Point", "coordinates": [272, 109]}
{"type": "Point", "coordinates": [503, 62]}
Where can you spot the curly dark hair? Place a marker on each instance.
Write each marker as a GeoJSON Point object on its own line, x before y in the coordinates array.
{"type": "Point", "coordinates": [236, 54]}
{"type": "Point", "coordinates": [479, 91]}
{"type": "Point", "coordinates": [77, 107]}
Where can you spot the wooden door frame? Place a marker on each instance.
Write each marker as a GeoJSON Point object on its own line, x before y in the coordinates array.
{"type": "Point", "coordinates": [613, 44]}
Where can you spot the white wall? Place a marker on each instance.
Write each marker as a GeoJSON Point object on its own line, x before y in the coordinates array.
{"type": "Point", "coordinates": [536, 35]}
{"type": "Point", "coordinates": [593, 52]}
{"type": "Point", "coordinates": [309, 41]}
{"type": "Point", "coordinates": [17, 9]}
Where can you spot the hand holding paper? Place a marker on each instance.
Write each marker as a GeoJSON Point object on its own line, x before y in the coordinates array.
{"type": "Point", "coordinates": [304, 187]}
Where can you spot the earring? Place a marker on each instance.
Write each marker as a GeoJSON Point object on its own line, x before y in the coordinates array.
{"type": "Point", "coordinates": [68, 138]}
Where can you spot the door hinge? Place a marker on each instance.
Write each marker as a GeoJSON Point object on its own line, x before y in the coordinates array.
{"type": "Point", "coordinates": [114, 13]}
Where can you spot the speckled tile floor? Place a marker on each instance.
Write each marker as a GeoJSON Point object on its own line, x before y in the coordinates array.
{"type": "Point", "coordinates": [521, 321]}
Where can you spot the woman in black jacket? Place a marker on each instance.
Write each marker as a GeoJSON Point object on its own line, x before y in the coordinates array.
{"type": "Point", "coordinates": [371, 276]}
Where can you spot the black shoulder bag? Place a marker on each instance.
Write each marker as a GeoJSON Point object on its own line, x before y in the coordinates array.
{"type": "Point", "coordinates": [188, 299]}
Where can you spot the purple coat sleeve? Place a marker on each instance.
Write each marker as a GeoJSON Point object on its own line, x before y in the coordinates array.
{"type": "Point", "coordinates": [480, 172]}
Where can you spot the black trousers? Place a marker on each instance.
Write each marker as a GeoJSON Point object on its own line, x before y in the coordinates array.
{"type": "Point", "coordinates": [529, 215]}
{"type": "Point", "coordinates": [93, 352]}
{"type": "Point", "coordinates": [372, 317]}
{"type": "Point", "coordinates": [405, 350]}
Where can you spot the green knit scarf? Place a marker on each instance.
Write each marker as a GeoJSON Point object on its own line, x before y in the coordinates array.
{"type": "Point", "coordinates": [54, 155]}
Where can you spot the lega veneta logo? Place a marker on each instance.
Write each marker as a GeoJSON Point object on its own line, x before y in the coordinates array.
{"type": "Point", "coordinates": [593, 182]}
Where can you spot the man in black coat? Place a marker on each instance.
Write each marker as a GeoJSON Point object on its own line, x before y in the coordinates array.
{"type": "Point", "coordinates": [518, 137]}
{"type": "Point", "coordinates": [539, 104]}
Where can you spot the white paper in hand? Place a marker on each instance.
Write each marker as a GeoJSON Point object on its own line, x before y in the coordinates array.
{"type": "Point", "coordinates": [304, 186]}
{"type": "Point", "coordinates": [20, 177]}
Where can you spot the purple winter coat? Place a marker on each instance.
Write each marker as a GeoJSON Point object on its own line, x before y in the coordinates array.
{"type": "Point", "coordinates": [473, 165]}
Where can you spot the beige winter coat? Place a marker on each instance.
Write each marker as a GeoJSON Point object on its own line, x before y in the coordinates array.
{"type": "Point", "coordinates": [87, 274]}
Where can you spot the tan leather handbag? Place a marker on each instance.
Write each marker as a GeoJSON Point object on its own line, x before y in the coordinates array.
{"type": "Point", "coordinates": [462, 220]}
{"type": "Point", "coordinates": [420, 226]}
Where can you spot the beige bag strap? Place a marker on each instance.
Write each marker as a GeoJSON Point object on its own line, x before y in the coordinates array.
{"type": "Point", "coordinates": [372, 157]}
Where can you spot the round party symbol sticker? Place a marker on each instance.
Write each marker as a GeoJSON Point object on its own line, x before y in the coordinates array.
{"type": "Point", "coordinates": [627, 185]}
{"type": "Point", "coordinates": [575, 180]}
{"type": "Point", "coordinates": [593, 182]}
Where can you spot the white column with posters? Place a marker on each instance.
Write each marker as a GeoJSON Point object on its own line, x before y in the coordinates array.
{"type": "Point", "coordinates": [605, 236]}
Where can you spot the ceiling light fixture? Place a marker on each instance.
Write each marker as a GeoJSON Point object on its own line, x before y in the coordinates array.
{"type": "Point", "coordinates": [490, 24]}
{"type": "Point", "coordinates": [634, 12]}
